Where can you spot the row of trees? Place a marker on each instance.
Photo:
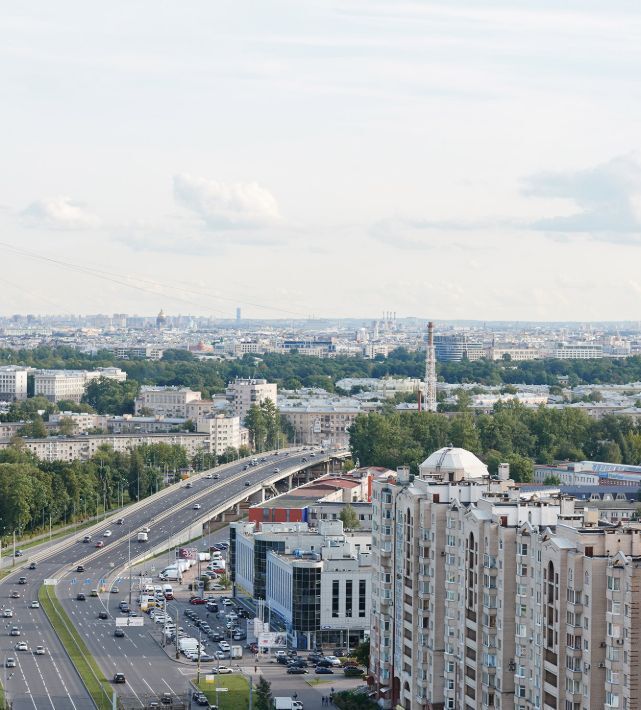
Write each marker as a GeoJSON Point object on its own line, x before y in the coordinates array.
{"type": "Point", "coordinates": [293, 370]}
{"type": "Point", "coordinates": [32, 492]}
{"type": "Point", "coordinates": [513, 434]}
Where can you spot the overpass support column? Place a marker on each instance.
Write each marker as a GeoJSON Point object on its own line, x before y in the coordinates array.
{"type": "Point", "coordinates": [263, 497]}
{"type": "Point", "coordinates": [290, 481]}
{"type": "Point", "coordinates": [237, 509]}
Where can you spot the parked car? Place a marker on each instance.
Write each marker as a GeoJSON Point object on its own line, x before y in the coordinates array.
{"type": "Point", "coordinates": [353, 671]}
{"type": "Point", "coordinates": [296, 670]}
{"type": "Point", "coordinates": [199, 699]}
{"type": "Point", "coordinates": [322, 670]}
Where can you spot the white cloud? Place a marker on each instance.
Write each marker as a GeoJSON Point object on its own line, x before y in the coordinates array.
{"type": "Point", "coordinates": [606, 195]}
{"type": "Point", "coordinates": [227, 205]}
{"type": "Point", "coordinates": [60, 213]}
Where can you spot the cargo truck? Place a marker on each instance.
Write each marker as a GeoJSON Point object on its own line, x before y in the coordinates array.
{"type": "Point", "coordinates": [143, 537]}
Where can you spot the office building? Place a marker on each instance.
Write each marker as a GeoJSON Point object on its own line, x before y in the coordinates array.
{"type": "Point", "coordinates": [58, 385]}
{"type": "Point", "coordinates": [315, 582]}
{"type": "Point", "coordinates": [458, 346]}
{"type": "Point", "coordinates": [244, 394]}
{"type": "Point", "coordinates": [13, 383]}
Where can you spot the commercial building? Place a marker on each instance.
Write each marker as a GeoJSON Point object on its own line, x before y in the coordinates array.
{"type": "Point", "coordinates": [315, 582]}
{"type": "Point", "coordinates": [165, 401]}
{"type": "Point", "coordinates": [13, 383]}
{"type": "Point", "coordinates": [146, 352]}
{"type": "Point", "coordinates": [577, 351]}
{"type": "Point", "coordinates": [58, 385]}
{"type": "Point", "coordinates": [247, 393]}
{"type": "Point", "coordinates": [458, 346]}
{"type": "Point", "coordinates": [487, 596]}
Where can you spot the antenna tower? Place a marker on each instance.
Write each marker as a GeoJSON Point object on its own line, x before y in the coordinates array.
{"type": "Point", "coordinates": [430, 371]}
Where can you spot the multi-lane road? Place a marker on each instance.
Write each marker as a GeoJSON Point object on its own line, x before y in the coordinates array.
{"type": "Point", "coordinates": [50, 681]}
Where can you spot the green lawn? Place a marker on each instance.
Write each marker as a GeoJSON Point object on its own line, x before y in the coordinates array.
{"type": "Point", "coordinates": [237, 695]}
{"type": "Point", "coordinates": [93, 678]}
{"type": "Point", "coordinates": [1, 697]}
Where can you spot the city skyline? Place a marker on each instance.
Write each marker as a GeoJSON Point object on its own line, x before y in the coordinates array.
{"type": "Point", "coordinates": [453, 159]}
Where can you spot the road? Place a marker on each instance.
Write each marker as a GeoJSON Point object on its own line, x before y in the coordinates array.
{"type": "Point", "coordinates": [50, 681]}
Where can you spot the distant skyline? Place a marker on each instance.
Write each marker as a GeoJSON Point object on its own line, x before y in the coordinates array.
{"type": "Point", "coordinates": [461, 159]}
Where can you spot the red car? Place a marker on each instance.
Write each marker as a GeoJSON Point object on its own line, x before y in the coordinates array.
{"type": "Point", "coordinates": [100, 543]}
{"type": "Point", "coordinates": [196, 600]}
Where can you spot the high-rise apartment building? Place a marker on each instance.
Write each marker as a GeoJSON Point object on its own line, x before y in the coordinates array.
{"type": "Point", "coordinates": [247, 393]}
{"type": "Point", "coordinates": [486, 597]}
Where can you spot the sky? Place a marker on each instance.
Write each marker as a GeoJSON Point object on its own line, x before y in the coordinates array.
{"type": "Point", "coordinates": [335, 158]}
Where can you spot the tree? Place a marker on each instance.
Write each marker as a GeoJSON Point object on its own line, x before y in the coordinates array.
{"type": "Point", "coordinates": [552, 480]}
{"type": "Point", "coordinates": [257, 425]}
{"type": "Point", "coordinates": [108, 396]}
{"type": "Point", "coordinates": [66, 426]}
{"type": "Point", "coordinates": [361, 653]}
{"type": "Point", "coordinates": [263, 694]}
{"type": "Point", "coordinates": [35, 429]}
{"type": "Point", "coordinates": [349, 517]}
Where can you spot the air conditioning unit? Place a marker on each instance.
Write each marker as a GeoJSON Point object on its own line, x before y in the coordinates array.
{"type": "Point", "coordinates": [620, 642]}
{"type": "Point", "coordinates": [602, 665]}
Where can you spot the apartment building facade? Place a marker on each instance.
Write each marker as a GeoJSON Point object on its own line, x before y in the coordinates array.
{"type": "Point", "coordinates": [244, 394]}
{"type": "Point", "coordinates": [165, 401]}
{"type": "Point", "coordinates": [224, 432]}
{"type": "Point", "coordinates": [58, 385]}
{"type": "Point", "coordinates": [486, 597]}
{"type": "Point", "coordinates": [13, 383]}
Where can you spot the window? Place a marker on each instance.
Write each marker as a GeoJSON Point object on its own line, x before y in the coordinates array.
{"type": "Point", "coordinates": [362, 598]}
{"type": "Point", "coordinates": [335, 598]}
{"type": "Point", "coordinates": [348, 597]}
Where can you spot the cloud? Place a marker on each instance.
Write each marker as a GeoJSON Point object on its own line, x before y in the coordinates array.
{"type": "Point", "coordinates": [608, 197]}
{"type": "Point", "coordinates": [412, 233]}
{"type": "Point", "coordinates": [59, 213]}
{"type": "Point", "coordinates": [227, 206]}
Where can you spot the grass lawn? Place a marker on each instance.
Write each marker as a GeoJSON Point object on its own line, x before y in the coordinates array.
{"type": "Point", "coordinates": [1, 697]}
{"type": "Point", "coordinates": [93, 678]}
{"type": "Point", "coordinates": [237, 695]}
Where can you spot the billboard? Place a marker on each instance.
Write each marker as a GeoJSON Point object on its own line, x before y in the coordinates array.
{"type": "Point", "coordinates": [272, 639]}
{"type": "Point", "coordinates": [187, 553]}
{"type": "Point", "coordinates": [129, 621]}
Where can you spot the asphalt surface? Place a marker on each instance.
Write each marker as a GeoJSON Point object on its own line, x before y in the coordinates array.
{"type": "Point", "coordinates": [50, 681]}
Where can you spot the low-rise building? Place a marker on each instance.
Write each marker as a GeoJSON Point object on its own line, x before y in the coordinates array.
{"type": "Point", "coordinates": [165, 401]}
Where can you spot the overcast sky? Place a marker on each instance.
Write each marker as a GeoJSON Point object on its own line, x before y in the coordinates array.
{"type": "Point", "coordinates": [445, 159]}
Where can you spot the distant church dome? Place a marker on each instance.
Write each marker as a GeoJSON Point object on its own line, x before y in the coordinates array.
{"type": "Point", "coordinates": [161, 319]}
{"type": "Point", "coordinates": [451, 460]}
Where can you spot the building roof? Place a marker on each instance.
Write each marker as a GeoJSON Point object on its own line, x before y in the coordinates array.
{"type": "Point", "coordinates": [450, 459]}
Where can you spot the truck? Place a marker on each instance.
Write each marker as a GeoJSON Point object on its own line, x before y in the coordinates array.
{"type": "Point", "coordinates": [286, 703]}
{"type": "Point", "coordinates": [143, 537]}
{"type": "Point", "coordinates": [236, 651]}
{"type": "Point", "coordinates": [188, 643]}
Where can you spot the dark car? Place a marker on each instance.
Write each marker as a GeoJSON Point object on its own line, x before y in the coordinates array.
{"type": "Point", "coordinates": [119, 678]}
{"type": "Point", "coordinates": [283, 660]}
{"type": "Point", "coordinates": [32, 565]}
{"type": "Point", "coordinates": [324, 663]}
{"type": "Point", "coordinates": [215, 636]}
{"type": "Point", "coordinates": [119, 633]}
{"type": "Point", "coordinates": [167, 699]}
{"type": "Point", "coordinates": [296, 670]}
{"type": "Point", "coordinates": [200, 699]}
{"type": "Point", "coordinates": [247, 483]}
{"type": "Point", "coordinates": [298, 662]}
{"type": "Point", "coordinates": [353, 671]}
{"type": "Point", "coordinates": [322, 670]}
{"type": "Point", "coordinates": [314, 657]}
{"type": "Point", "coordinates": [103, 615]}
{"type": "Point", "coordinates": [80, 568]}
{"type": "Point", "coordinates": [80, 597]}
{"type": "Point", "coordinates": [19, 553]}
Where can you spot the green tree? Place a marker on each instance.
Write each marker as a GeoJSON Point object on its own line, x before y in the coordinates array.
{"type": "Point", "coordinates": [552, 480]}
{"type": "Point", "coordinates": [350, 518]}
{"type": "Point", "coordinates": [256, 422]}
{"type": "Point", "coordinates": [108, 396]}
{"type": "Point", "coordinates": [66, 426]}
{"type": "Point", "coordinates": [361, 653]}
{"type": "Point", "coordinates": [34, 429]}
{"type": "Point", "coordinates": [263, 694]}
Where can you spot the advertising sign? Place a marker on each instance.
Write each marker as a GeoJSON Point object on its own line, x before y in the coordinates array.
{"type": "Point", "coordinates": [272, 639]}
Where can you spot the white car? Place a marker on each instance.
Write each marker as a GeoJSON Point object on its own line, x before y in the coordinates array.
{"type": "Point", "coordinates": [22, 646]}
{"type": "Point", "coordinates": [217, 588]}
{"type": "Point", "coordinates": [7, 613]}
{"type": "Point", "coordinates": [196, 506]}
{"type": "Point", "coordinates": [222, 669]}
{"type": "Point", "coordinates": [40, 651]}
{"type": "Point", "coordinates": [224, 646]}
{"type": "Point", "coordinates": [106, 533]}
{"type": "Point", "coordinates": [35, 604]}
{"type": "Point", "coordinates": [227, 602]}
{"type": "Point", "coordinates": [209, 476]}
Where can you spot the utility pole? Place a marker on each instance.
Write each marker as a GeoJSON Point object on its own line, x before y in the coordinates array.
{"type": "Point", "coordinates": [14, 549]}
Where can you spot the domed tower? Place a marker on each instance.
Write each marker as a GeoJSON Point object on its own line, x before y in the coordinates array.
{"type": "Point", "coordinates": [453, 464]}
{"type": "Point", "coordinates": [161, 320]}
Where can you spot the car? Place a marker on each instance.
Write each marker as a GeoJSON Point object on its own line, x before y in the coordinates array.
{"type": "Point", "coordinates": [22, 580]}
{"type": "Point", "coordinates": [216, 477]}
{"type": "Point", "coordinates": [197, 600]}
{"type": "Point", "coordinates": [35, 604]}
{"type": "Point", "coordinates": [10, 663]}
{"type": "Point", "coordinates": [14, 595]}
{"type": "Point", "coordinates": [222, 655]}
{"type": "Point", "coordinates": [115, 590]}
{"type": "Point", "coordinates": [247, 484]}
{"type": "Point", "coordinates": [304, 459]}
{"type": "Point", "coordinates": [100, 543]}
{"type": "Point", "coordinates": [189, 485]}
{"type": "Point", "coordinates": [33, 565]}
{"type": "Point", "coordinates": [86, 538]}
{"type": "Point", "coordinates": [120, 521]}
{"type": "Point", "coordinates": [209, 476]}
{"type": "Point", "coordinates": [22, 646]}
{"type": "Point", "coordinates": [205, 658]}
{"type": "Point", "coordinates": [224, 646]}
{"type": "Point", "coordinates": [282, 660]}
{"type": "Point", "coordinates": [276, 470]}
{"type": "Point", "coordinates": [94, 592]}
{"type": "Point", "coordinates": [80, 568]}
{"type": "Point", "coordinates": [299, 662]}
{"type": "Point", "coordinates": [296, 670]}
{"type": "Point", "coordinates": [40, 651]}
{"type": "Point", "coordinates": [80, 597]}
{"type": "Point", "coordinates": [119, 633]}
{"type": "Point", "coordinates": [119, 678]}
{"type": "Point", "coordinates": [314, 657]}
{"type": "Point", "coordinates": [199, 699]}
{"type": "Point", "coordinates": [15, 631]}
{"type": "Point", "coordinates": [19, 553]}
{"type": "Point", "coordinates": [7, 613]}
{"type": "Point", "coordinates": [227, 602]}
{"type": "Point", "coordinates": [106, 533]}
{"type": "Point", "coordinates": [131, 613]}
{"type": "Point", "coordinates": [103, 615]}
{"type": "Point", "coordinates": [322, 670]}
{"type": "Point", "coordinates": [245, 467]}
{"type": "Point", "coordinates": [216, 636]}
{"type": "Point", "coordinates": [196, 506]}
{"type": "Point", "coordinates": [222, 670]}
{"type": "Point", "coordinates": [217, 588]}
{"type": "Point", "coordinates": [223, 545]}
